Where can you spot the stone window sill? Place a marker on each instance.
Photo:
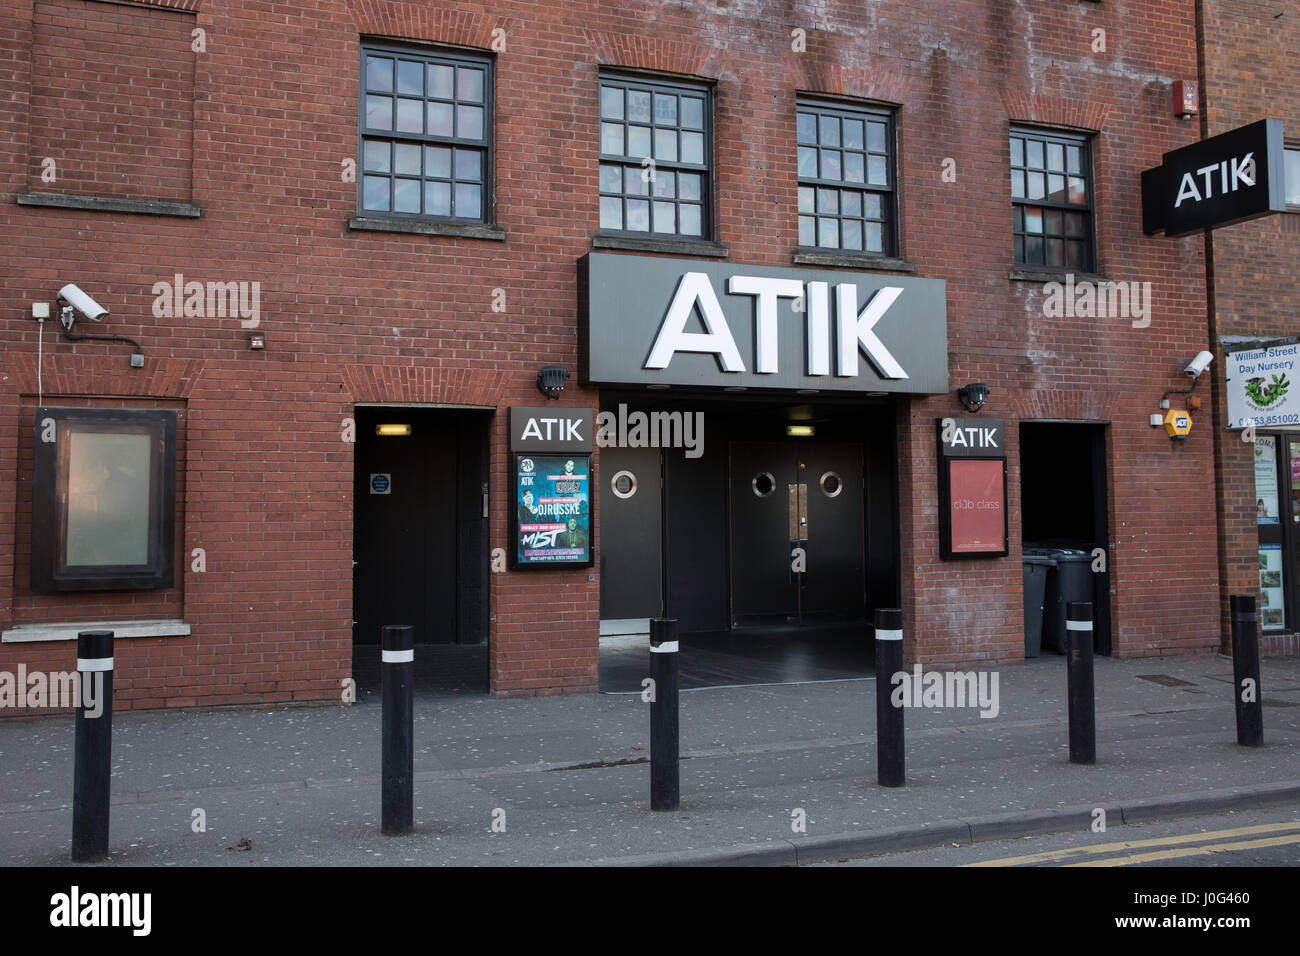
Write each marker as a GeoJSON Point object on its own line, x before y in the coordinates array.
{"type": "Point", "coordinates": [68, 632]}
{"type": "Point", "coordinates": [145, 207]}
{"type": "Point", "coordinates": [463, 230]}
{"type": "Point", "coordinates": [679, 247]}
{"type": "Point", "coordinates": [1040, 275]}
{"type": "Point", "coordinates": [810, 257]}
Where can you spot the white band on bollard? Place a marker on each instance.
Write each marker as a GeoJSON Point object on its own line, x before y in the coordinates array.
{"type": "Point", "coordinates": [94, 663]}
{"type": "Point", "coordinates": [1078, 625]}
{"type": "Point", "coordinates": [667, 647]}
{"type": "Point", "coordinates": [397, 657]}
{"type": "Point", "coordinates": [888, 635]}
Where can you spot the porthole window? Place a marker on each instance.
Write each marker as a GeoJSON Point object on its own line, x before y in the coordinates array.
{"type": "Point", "coordinates": [763, 484]}
{"type": "Point", "coordinates": [623, 484]}
{"type": "Point", "coordinates": [831, 485]}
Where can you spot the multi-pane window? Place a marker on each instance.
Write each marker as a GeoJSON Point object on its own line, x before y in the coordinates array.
{"type": "Point", "coordinates": [846, 178]}
{"type": "Point", "coordinates": [1051, 196]}
{"type": "Point", "coordinates": [654, 157]}
{"type": "Point", "coordinates": [425, 134]}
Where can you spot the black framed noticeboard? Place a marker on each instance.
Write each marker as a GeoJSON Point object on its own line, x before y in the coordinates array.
{"type": "Point", "coordinates": [551, 511]}
{"type": "Point", "coordinates": [972, 488]}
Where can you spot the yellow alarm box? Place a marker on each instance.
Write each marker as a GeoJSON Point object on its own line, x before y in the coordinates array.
{"type": "Point", "coordinates": [1178, 423]}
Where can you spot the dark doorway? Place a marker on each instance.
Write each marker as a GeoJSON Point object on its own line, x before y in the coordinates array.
{"type": "Point", "coordinates": [1063, 501]}
{"type": "Point", "coordinates": [796, 531]}
{"type": "Point", "coordinates": [631, 528]}
{"type": "Point", "coordinates": [420, 533]}
{"type": "Point", "coordinates": [702, 549]}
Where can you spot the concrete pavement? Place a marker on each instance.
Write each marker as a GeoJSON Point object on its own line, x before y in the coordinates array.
{"type": "Point", "coordinates": [568, 780]}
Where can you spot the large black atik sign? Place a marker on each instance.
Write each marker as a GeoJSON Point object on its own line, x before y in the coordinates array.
{"type": "Point", "coordinates": [1226, 179]}
{"type": "Point", "coordinates": [661, 322]}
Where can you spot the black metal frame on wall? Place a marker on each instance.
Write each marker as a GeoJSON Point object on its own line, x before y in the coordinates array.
{"type": "Point", "coordinates": [50, 570]}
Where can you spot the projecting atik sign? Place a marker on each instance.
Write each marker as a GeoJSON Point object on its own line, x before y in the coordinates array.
{"type": "Point", "coordinates": [651, 321]}
{"type": "Point", "coordinates": [1226, 179]}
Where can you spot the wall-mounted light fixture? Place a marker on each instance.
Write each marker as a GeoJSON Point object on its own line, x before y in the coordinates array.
{"type": "Point", "coordinates": [256, 340]}
{"type": "Point", "coordinates": [800, 431]}
{"type": "Point", "coordinates": [389, 431]}
{"type": "Point", "coordinates": [973, 396]}
{"type": "Point", "coordinates": [551, 379]}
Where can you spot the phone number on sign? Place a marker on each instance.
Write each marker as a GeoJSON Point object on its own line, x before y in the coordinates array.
{"type": "Point", "coordinates": [1270, 420]}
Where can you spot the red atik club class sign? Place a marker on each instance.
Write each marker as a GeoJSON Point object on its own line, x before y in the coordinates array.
{"type": "Point", "coordinates": [972, 488]}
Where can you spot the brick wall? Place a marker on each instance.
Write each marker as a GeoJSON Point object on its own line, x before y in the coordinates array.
{"type": "Point", "coordinates": [111, 106]}
{"type": "Point", "coordinates": [354, 315]}
{"type": "Point", "coordinates": [1250, 73]}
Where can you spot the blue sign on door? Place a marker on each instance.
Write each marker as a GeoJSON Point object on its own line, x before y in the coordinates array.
{"type": "Point", "coordinates": [380, 484]}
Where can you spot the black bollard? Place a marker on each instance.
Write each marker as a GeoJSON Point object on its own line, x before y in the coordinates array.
{"type": "Point", "coordinates": [665, 776]}
{"type": "Point", "coordinates": [398, 666]}
{"type": "Point", "coordinates": [1083, 717]}
{"type": "Point", "coordinates": [889, 718]}
{"type": "Point", "coordinates": [1245, 671]}
{"type": "Point", "coordinates": [93, 761]}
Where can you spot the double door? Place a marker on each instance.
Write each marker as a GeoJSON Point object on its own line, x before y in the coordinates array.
{"type": "Point", "coordinates": [796, 531]}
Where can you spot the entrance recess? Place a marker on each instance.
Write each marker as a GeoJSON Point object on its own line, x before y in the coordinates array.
{"type": "Point", "coordinates": [420, 531]}
{"type": "Point", "coordinates": [1064, 503]}
{"type": "Point", "coordinates": [796, 531]}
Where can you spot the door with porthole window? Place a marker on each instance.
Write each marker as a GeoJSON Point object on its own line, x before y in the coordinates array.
{"type": "Point", "coordinates": [631, 525]}
{"type": "Point", "coordinates": [796, 531]}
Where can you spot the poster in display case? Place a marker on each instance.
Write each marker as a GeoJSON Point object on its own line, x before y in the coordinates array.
{"type": "Point", "coordinates": [1271, 617]}
{"type": "Point", "coordinates": [552, 510]}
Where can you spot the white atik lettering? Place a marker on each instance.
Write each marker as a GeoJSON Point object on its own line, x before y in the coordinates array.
{"type": "Point", "coordinates": [854, 331]}
{"type": "Point", "coordinates": [694, 291]}
{"type": "Point", "coordinates": [766, 341]}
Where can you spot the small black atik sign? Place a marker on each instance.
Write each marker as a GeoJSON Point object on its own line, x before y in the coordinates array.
{"type": "Point", "coordinates": [1230, 178]}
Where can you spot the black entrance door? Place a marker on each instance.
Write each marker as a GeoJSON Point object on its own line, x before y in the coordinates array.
{"type": "Point", "coordinates": [405, 532]}
{"type": "Point", "coordinates": [796, 530]}
{"type": "Point", "coordinates": [631, 523]}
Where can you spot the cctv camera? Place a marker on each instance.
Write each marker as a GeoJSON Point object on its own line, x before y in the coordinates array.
{"type": "Point", "coordinates": [83, 303]}
{"type": "Point", "coordinates": [1199, 364]}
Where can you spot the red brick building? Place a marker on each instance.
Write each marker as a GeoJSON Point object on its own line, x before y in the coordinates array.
{"type": "Point", "coordinates": [1249, 73]}
{"type": "Point", "coordinates": [397, 197]}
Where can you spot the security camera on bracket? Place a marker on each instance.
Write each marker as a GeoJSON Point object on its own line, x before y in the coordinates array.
{"type": "Point", "coordinates": [1177, 421]}
{"type": "Point", "coordinates": [71, 299]}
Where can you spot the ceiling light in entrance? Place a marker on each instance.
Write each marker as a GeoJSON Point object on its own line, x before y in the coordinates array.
{"type": "Point", "coordinates": [391, 430]}
{"type": "Point", "coordinates": [800, 431]}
